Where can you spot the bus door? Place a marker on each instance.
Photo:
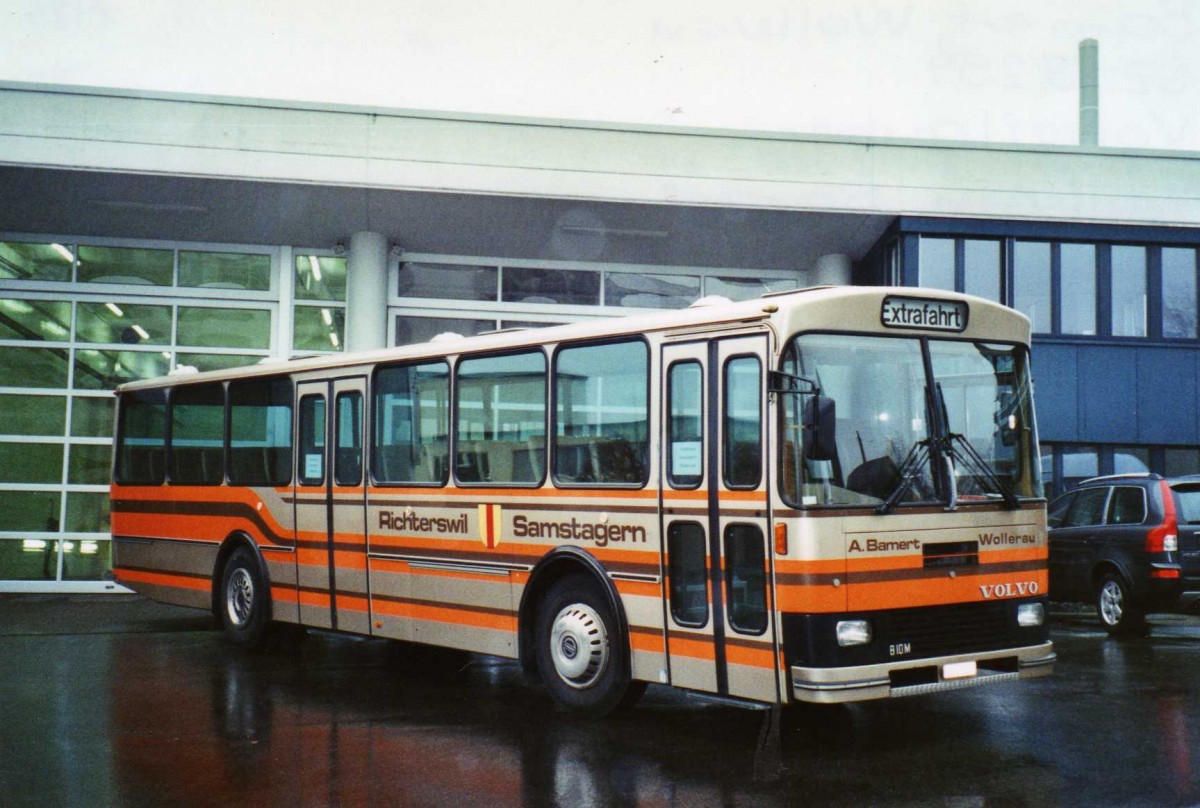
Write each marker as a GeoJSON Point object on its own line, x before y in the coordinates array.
{"type": "Point", "coordinates": [331, 505]}
{"type": "Point", "coordinates": [720, 629]}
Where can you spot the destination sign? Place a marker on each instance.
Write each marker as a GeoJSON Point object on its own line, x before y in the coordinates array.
{"type": "Point", "coordinates": [916, 312]}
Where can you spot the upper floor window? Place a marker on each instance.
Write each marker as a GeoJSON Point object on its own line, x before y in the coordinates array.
{"type": "Point", "coordinates": [937, 263]}
{"type": "Point", "coordinates": [1077, 273]}
{"type": "Point", "coordinates": [1031, 283]}
{"type": "Point", "coordinates": [962, 265]}
{"type": "Point", "coordinates": [1128, 285]}
{"type": "Point", "coordinates": [1178, 292]}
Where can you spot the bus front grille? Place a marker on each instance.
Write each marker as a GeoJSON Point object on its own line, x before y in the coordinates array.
{"type": "Point", "coordinates": [940, 630]}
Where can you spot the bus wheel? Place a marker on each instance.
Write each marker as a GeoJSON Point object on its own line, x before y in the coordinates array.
{"type": "Point", "coordinates": [576, 655]}
{"type": "Point", "coordinates": [1117, 611]}
{"type": "Point", "coordinates": [243, 599]}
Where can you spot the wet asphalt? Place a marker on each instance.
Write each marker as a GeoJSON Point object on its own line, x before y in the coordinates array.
{"type": "Point", "coordinates": [119, 701]}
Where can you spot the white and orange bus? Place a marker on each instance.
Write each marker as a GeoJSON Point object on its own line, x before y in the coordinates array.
{"type": "Point", "coordinates": [826, 495]}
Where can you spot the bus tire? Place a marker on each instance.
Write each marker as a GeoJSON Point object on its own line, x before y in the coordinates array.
{"type": "Point", "coordinates": [1118, 613]}
{"type": "Point", "coordinates": [243, 604]}
{"type": "Point", "coordinates": [578, 657]}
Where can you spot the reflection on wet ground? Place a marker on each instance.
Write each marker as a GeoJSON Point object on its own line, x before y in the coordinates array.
{"type": "Point", "coordinates": [175, 716]}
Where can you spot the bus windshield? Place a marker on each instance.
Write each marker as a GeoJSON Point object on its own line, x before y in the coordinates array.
{"type": "Point", "coordinates": [965, 435]}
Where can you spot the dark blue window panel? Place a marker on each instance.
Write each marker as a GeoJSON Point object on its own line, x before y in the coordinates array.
{"type": "Point", "coordinates": [1166, 384]}
{"type": "Point", "coordinates": [1107, 394]}
{"type": "Point", "coordinates": [1055, 375]}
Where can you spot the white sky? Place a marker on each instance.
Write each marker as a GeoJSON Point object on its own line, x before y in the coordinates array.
{"type": "Point", "coordinates": [1000, 70]}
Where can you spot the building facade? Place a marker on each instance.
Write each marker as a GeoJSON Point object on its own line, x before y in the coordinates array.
{"type": "Point", "coordinates": [140, 233]}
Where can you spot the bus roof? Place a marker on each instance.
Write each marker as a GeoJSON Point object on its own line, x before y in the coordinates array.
{"type": "Point", "coordinates": [818, 308]}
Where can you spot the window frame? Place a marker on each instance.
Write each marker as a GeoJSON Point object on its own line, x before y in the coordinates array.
{"type": "Point", "coordinates": [729, 569]}
{"type": "Point", "coordinates": [726, 455]}
{"type": "Point", "coordinates": [122, 415]}
{"type": "Point", "coordinates": [673, 537]}
{"type": "Point", "coordinates": [175, 393]}
{"type": "Point", "coordinates": [456, 420]}
{"type": "Point", "coordinates": [302, 479]}
{"type": "Point", "coordinates": [1112, 501]}
{"type": "Point", "coordinates": [375, 419]}
{"type": "Point", "coordinates": [1103, 510]}
{"type": "Point", "coordinates": [669, 432]}
{"type": "Point", "coordinates": [235, 386]}
{"type": "Point", "coordinates": [552, 433]}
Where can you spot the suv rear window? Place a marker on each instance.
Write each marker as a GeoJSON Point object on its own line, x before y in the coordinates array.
{"type": "Point", "coordinates": [1189, 504]}
{"type": "Point", "coordinates": [1087, 509]}
{"type": "Point", "coordinates": [1127, 506]}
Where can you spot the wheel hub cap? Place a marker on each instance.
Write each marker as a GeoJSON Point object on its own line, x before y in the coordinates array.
{"type": "Point", "coordinates": [579, 645]}
{"type": "Point", "coordinates": [1110, 603]}
{"type": "Point", "coordinates": [239, 600]}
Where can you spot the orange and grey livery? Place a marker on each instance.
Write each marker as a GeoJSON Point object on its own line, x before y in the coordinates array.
{"type": "Point", "coordinates": [793, 498]}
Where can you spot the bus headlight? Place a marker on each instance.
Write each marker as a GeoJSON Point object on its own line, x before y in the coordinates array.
{"type": "Point", "coordinates": [1031, 614]}
{"type": "Point", "coordinates": [853, 632]}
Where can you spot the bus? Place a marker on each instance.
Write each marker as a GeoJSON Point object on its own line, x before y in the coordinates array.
{"type": "Point", "coordinates": [826, 495]}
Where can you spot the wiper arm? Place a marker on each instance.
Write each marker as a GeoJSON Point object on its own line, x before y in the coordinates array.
{"type": "Point", "coordinates": [987, 472]}
{"type": "Point", "coordinates": [916, 458]}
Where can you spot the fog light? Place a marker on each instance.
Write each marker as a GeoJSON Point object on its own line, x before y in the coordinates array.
{"type": "Point", "coordinates": [853, 632]}
{"type": "Point", "coordinates": [1031, 614]}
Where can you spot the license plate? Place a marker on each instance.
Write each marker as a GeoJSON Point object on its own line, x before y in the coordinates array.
{"type": "Point", "coordinates": [959, 670]}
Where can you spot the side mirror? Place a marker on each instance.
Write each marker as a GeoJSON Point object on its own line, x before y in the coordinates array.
{"type": "Point", "coordinates": [820, 428]}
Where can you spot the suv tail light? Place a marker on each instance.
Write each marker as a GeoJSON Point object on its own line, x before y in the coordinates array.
{"type": "Point", "coordinates": [1164, 538]}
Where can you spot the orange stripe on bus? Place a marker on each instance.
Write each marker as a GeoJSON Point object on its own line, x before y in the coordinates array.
{"type": "Point", "coordinates": [885, 595]}
{"type": "Point", "coordinates": [475, 495]}
{"type": "Point", "coordinates": [638, 588]}
{"type": "Point", "coordinates": [458, 575]}
{"type": "Point", "coordinates": [646, 641]}
{"type": "Point", "coordinates": [284, 594]}
{"type": "Point", "coordinates": [442, 614]}
{"type": "Point", "coordinates": [681, 645]}
{"type": "Point", "coordinates": [165, 579]}
{"type": "Point", "coordinates": [763, 657]}
{"type": "Point", "coordinates": [308, 598]}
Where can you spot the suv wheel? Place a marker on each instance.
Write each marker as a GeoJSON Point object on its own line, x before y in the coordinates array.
{"type": "Point", "coordinates": [1118, 613]}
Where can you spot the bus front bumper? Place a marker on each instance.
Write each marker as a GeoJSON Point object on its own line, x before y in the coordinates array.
{"type": "Point", "coordinates": [916, 677]}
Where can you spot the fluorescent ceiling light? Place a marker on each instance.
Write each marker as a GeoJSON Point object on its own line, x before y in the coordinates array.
{"type": "Point", "coordinates": [115, 309]}
{"type": "Point", "coordinates": [141, 332]}
{"type": "Point", "coordinates": [153, 207]}
{"type": "Point", "coordinates": [63, 251]}
{"type": "Point", "coordinates": [327, 317]}
{"type": "Point", "coordinates": [613, 231]}
{"type": "Point", "coordinates": [333, 337]}
{"type": "Point", "coordinates": [315, 266]}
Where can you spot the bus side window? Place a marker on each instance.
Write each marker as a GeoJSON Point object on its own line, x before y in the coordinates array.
{"type": "Point", "coordinates": [196, 453]}
{"type": "Point", "coordinates": [685, 425]}
{"type": "Point", "coordinates": [688, 576]}
{"type": "Point", "coordinates": [602, 414]}
{"type": "Point", "coordinates": [312, 440]}
{"type": "Point", "coordinates": [347, 461]}
{"type": "Point", "coordinates": [260, 432]}
{"type": "Point", "coordinates": [746, 578]}
{"type": "Point", "coordinates": [743, 422]}
{"type": "Point", "coordinates": [412, 424]}
{"type": "Point", "coordinates": [500, 416]}
{"type": "Point", "coordinates": [141, 438]}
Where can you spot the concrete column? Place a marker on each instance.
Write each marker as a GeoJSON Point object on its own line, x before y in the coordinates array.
{"type": "Point", "coordinates": [831, 270]}
{"type": "Point", "coordinates": [366, 292]}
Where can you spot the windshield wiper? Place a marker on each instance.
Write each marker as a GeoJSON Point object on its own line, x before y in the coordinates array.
{"type": "Point", "coordinates": [913, 462]}
{"type": "Point", "coordinates": [983, 468]}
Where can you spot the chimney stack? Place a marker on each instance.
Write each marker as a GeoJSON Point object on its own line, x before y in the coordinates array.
{"type": "Point", "coordinates": [1089, 93]}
